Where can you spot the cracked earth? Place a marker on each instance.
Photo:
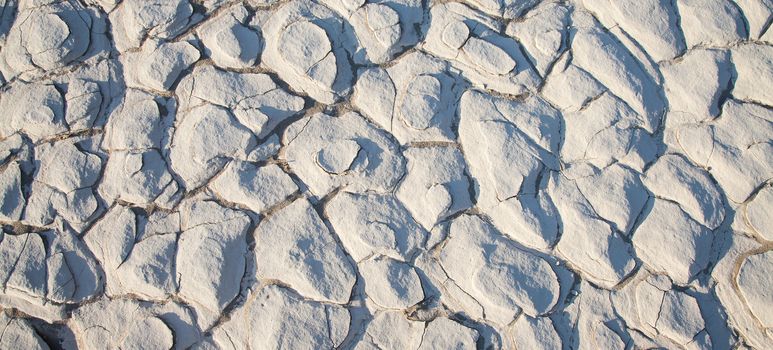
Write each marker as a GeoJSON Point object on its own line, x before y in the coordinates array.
{"type": "Point", "coordinates": [386, 174]}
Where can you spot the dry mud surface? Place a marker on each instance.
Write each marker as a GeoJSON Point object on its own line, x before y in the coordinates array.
{"type": "Point", "coordinates": [386, 174]}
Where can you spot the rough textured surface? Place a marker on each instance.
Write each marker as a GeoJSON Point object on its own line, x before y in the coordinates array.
{"type": "Point", "coordinates": [386, 174]}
